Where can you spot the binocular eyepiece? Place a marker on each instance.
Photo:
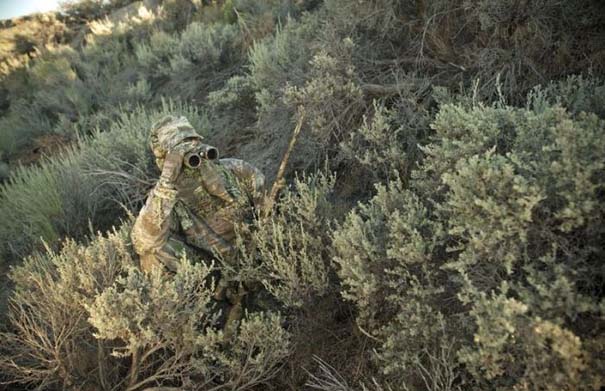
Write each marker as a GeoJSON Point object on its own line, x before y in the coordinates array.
{"type": "Point", "coordinates": [194, 158]}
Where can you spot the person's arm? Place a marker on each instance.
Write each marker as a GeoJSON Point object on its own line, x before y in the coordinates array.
{"type": "Point", "coordinates": [252, 178]}
{"type": "Point", "coordinates": [152, 227]}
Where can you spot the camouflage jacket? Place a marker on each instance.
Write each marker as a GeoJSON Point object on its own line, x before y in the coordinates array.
{"type": "Point", "coordinates": [199, 210]}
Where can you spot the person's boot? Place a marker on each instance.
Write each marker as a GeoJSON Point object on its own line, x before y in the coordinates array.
{"type": "Point", "coordinates": [220, 291]}
{"type": "Point", "coordinates": [234, 313]}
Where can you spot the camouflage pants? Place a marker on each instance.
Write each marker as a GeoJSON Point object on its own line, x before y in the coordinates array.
{"type": "Point", "coordinates": [229, 296]}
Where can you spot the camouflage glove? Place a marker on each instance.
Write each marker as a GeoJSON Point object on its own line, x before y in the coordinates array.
{"type": "Point", "coordinates": [173, 164]}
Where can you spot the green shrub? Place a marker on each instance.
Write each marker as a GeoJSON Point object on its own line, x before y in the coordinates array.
{"type": "Point", "coordinates": [232, 109]}
{"type": "Point", "coordinates": [90, 10]}
{"type": "Point", "coordinates": [86, 317]}
{"type": "Point", "coordinates": [276, 63]}
{"type": "Point", "coordinates": [387, 257]}
{"type": "Point", "coordinates": [492, 252]}
{"type": "Point", "coordinates": [179, 13]}
{"type": "Point", "coordinates": [51, 92]}
{"type": "Point", "coordinates": [576, 93]}
{"type": "Point", "coordinates": [502, 43]}
{"type": "Point", "coordinates": [257, 19]}
{"type": "Point", "coordinates": [386, 145]}
{"type": "Point", "coordinates": [84, 9]}
{"type": "Point", "coordinates": [192, 63]}
{"type": "Point", "coordinates": [4, 171]}
{"type": "Point", "coordinates": [68, 91]}
{"type": "Point", "coordinates": [331, 98]}
{"type": "Point", "coordinates": [318, 63]}
{"type": "Point", "coordinates": [286, 251]}
{"type": "Point", "coordinates": [514, 349]}
{"type": "Point", "coordinates": [527, 227]}
{"type": "Point", "coordinates": [52, 344]}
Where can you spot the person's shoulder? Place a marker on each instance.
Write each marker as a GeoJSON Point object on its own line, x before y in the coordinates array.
{"type": "Point", "coordinates": [241, 168]}
{"type": "Point", "coordinates": [229, 160]}
{"type": "Point", "coordinates": [233, 163]}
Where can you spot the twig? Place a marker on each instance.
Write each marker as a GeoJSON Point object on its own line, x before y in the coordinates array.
{"type": "Point", "coordinates": [382, 90]}
{"type": "Point", "coordinates": [278, 183]}
{"type": "Point", "coordinates": [369, 335]}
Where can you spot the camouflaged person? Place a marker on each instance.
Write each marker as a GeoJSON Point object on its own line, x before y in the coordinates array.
{"type": "Point", "coordinates": [196, 202]}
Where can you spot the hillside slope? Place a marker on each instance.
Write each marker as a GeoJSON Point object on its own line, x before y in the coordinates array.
{"type": "Point", "coordinates": [441, 227]}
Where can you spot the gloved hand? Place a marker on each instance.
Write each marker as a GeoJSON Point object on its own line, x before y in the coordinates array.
{"type": "Point", "coordinates": [173, 165]}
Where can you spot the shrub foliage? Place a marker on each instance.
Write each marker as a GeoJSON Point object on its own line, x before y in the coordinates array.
{"type": "Point", "coordinates": [494, 248]}
{"type": "Point", "coordinates": [87, 317]}
{"type": "Point", "coordinates": [287, 251]}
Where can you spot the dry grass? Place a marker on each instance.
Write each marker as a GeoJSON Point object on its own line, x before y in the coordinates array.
{"type": "Point", "coordinates": [25, 38]}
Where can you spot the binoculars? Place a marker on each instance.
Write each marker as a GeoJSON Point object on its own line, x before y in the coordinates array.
{"type": "Point", "coordinates": [193, 159]}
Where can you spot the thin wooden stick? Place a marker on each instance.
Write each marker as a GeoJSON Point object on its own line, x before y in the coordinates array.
{"type": "Point", "coordinates": [278, 183]}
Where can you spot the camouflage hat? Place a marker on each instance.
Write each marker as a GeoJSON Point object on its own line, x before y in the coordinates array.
{"type": "Point", "coordinates": [169, 132]}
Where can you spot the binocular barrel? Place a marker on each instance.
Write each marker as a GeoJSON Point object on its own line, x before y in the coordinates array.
{"type": "Point", "coordinates": [193, 159]}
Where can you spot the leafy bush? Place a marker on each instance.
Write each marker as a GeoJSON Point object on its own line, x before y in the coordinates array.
{"type": "Point", "coordinates": [87, 10]}
{"type": "Point", "coordinates": [331, 97]}
{"type": "Point", "coordinates": [385, 252]}
{"type": "Point", "coordinates": [319, 63]}
{"type": "Point", "coordinates": [502, 43]}
{"type": "Point", "coordinates": [84, 9]}
{"type": "Point", "coordinates": [277, 63]}
{"type": "Point", "coordinates": [386, 145]}
{"type": "Point", "coordinates": [53, 344]}
{"type": "Point", "coordinates": [286, 251]}
{"type": "Point", "coordinates": [68, 91]}
{"type": "Point", "coordinates": [86, 316]}
{"type": "Point", "coordinates": [499, 232]}
{"type": "Point", "coordinates": [192, 63]}
{"type": "Point", "coordinates": [576, 93]}
{"type": "Point", "coordinates": [231, 110]}
{"type": "Point", "coordinates": [550, 185]}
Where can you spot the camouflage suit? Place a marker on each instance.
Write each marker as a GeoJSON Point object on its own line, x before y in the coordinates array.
{"type": "Point", "coordinates": [192, 207]}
